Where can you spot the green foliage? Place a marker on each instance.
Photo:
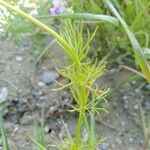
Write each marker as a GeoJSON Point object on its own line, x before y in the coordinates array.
{"type": "Point", "coordinates": [39, 135]}
{"type": "Point", "coordinates": [43, 7]}
{"type": "Point", "coordinates": [3, 130]}
{"type": "Point", "coordinates": [138, 51]}
{"type": "Point", "coordinates": [136, 14]}
{"type": "Point", "coordinates": [38, 145]}
{"type": "Point", "coordinates": [81, 73]}
{"type": "Point", "coordinates": [19, 30]}
{"type": "Point", "coordinates": [3, 134]}
{"type": "Point", "coordinates": [82, 76]}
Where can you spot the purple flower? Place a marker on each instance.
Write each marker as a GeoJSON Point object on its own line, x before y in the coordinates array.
{"type": "Point", "coordinates": [59, 6]}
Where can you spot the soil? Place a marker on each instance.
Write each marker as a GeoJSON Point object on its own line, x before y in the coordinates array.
{"type": "Point", "coordinates": [27, 96]}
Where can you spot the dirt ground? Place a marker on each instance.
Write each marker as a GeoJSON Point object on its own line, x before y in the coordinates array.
{"type": "Point", "coordinates": [29, 92]}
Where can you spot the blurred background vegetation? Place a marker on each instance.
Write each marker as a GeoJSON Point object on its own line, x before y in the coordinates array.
{"type": "Point", "coordinates": [110, 41]}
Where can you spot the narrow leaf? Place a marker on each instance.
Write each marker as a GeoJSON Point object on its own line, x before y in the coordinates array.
{"type": "Point", "coordinates": [86, 16]}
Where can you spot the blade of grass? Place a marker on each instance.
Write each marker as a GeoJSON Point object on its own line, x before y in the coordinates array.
{"type": "Point", "coordinates": [133, 70]}
{"type": "Point", "coordinates": [39, 134]}
{"type": "Point", "coordinates": [45, 50]}
{"type": "Point", "coordinates": [85, 16]}
{"type": "Point", "coordinates": [37, 143]}
{"type": "Point", "coordinates": [3, 134]}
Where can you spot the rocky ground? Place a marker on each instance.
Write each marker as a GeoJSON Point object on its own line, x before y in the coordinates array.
{"type": "Point", "coordinates": [26, 88]}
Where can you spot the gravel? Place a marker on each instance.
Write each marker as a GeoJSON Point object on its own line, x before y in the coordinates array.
{"type": "Point", "coordinates": [148, 87]}
{"type": "Point", "coordinates": [3, 94]}
{"type": "Point", "coordinates": [48, 77]}
{"type": "Point", "coordinates": [19, 58]}
{"type": "Point", "coordinates": [105, 146]}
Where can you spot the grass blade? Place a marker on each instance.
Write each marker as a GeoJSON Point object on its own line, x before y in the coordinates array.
{"type": "Point", "coordinates": [3, 134]}
{"type": "Point", "coordinates": [45, 50]}
{"type": "Point", "coordinates": [37, 143]}
{"type": "Point", "coordinates": [86, 16]}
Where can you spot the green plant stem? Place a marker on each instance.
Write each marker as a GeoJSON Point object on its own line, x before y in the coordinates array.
{"type": "Point", "coordinates": [79, 126]}
{"type": "Point", "coordinates": [92, 144]}
{"type": "Point", "coordinates": [84, 92]}
{"type": "Point", "coordinates": [3, 133]}
{"type": "Point", "coordinates": [66, 46]}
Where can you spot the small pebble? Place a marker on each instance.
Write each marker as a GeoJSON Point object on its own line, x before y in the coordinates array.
{"type": "Point", "coordinates": [136, 107]}
{"type": "Point", "coordinates": [137, 90]}
{"type": "Point", "coordinates": [19, 58]}
{"type": "Point", "coordinates": [125, 97]}
{"type": "Point", "coordinates": [113, 70]}
{"type": "Point", "coordinates": [49, 77]}
{"type": "Point", "coordinates": [40, 84]}
{"type": "Point", "coordinates": [52, 109]}
{"type": "Point", "coordinates": [131, 140]}
{"type": "Point", "coordinates": [133, 82]}
{"type": "Point", "coordinates": [105, 146]}
{"type": "Point", "coordinates": [47, 129]}
{"type": "Point", "coordinates": [148, 87]}
{"type": "Point", "coordinates": [3, 94]}
{"type": "Point", "coordinates": [123, 123]}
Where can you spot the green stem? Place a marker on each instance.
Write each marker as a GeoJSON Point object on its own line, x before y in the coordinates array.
{"type": "Point", "coordinates": [92, 134]}
{"type": "Point", "coordinates": [66, 46]}
{"type": "Point", "coordinates": [83, 101]}
{"type": "Point", "coordinates": [78, 129]}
